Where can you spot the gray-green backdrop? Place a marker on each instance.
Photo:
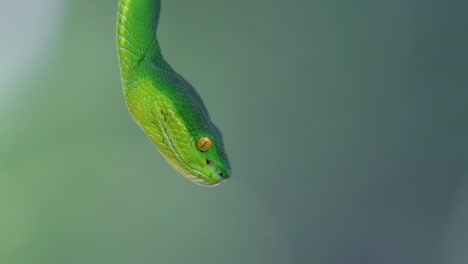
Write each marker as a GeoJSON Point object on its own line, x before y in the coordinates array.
{"type": "Point", "coordinates": [346, 123]}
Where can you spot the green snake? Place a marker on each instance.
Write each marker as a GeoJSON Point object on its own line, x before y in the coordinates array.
{"type": "Point", "coordinates": [165, 106]}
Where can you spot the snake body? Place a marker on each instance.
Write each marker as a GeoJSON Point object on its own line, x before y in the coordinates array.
{"type": "Point", "coordinates": [163, 103]}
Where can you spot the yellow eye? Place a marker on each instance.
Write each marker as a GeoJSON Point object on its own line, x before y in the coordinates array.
{"type": "Point", "coordinates": [204, 144]}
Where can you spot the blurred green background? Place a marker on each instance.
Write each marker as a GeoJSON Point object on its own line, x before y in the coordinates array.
{"type": "Point", "coordinates": [346, 123]}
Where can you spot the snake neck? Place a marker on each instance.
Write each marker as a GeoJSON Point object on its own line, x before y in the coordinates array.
{"type": "Point", "coordinates": [136, 33]}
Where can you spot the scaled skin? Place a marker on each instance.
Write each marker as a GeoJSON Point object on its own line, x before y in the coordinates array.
{"type": "Point", "coordinates": [163, 104]}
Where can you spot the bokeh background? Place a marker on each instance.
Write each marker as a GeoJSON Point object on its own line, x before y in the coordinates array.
{"type": "Point", "coordinates": [346, 123]}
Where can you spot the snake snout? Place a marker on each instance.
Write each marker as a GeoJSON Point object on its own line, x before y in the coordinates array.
{"type": "Point", "coordinates": [217, 172]}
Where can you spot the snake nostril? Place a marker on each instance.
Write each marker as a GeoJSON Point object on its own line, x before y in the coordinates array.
{"type": "Point", "coordinates": [221, 174]}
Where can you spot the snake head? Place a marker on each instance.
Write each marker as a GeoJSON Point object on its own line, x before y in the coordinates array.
{"type": "Point", "coordinates": [173, 116]}
{"type": "Point", "coordinates": [208, 165]}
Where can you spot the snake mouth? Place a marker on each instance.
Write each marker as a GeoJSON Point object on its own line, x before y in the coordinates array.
{"type": "Point", "coordinates": [210, 175]}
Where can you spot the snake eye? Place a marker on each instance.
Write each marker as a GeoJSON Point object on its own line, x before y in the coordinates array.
{"type": "Point", "coordinates": [204, 144]}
